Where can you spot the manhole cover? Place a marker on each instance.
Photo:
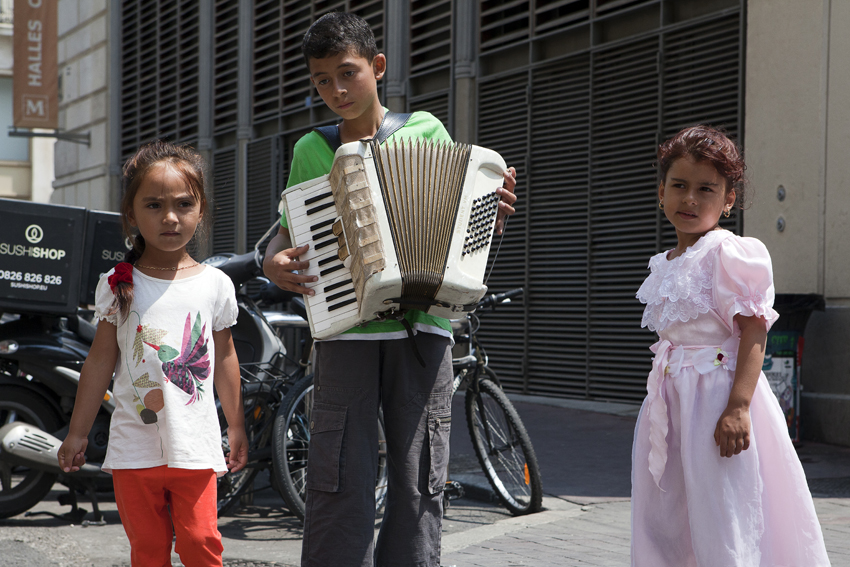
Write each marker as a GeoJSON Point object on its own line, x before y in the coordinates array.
{"type": "Point", "coordinates": [832, 487]}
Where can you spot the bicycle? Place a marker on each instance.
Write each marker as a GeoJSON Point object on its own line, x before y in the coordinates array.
{"type": "Point", "coordinates": [291, 442]}
{"type": "Point", "coordinates": [280, 385]}
{"type": "Point", "coordinates": [499, 437]}
{"type": "Point", "coordinates": [265, 381]}
{"type": "Point", "coordinates": [501, 442]}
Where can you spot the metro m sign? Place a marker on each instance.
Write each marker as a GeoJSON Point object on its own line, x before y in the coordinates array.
{"type": "Point", "coordinates": [35, 79]}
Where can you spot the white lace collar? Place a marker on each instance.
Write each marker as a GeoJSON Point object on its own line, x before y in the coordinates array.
{"type": "Point", "coordinates": [680, 289]}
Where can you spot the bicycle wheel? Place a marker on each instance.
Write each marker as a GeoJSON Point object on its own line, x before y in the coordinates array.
{"type": "Point", "coordinates": [256, 399]}
{"type": "Point", "coordinates": [503, 447]}
{"type": "Point", "coordinates": [291, 444]}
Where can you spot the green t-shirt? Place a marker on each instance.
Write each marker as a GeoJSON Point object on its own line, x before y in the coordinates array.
{"type": "Point", "coordinates": [312, 158]}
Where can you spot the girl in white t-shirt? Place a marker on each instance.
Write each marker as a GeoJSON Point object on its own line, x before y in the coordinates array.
{"type": "Point", "coordinates": [166, 338]}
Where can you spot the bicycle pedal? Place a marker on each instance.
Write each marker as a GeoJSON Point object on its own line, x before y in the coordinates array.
{"type": "Point", "coordinates": [453, 490]}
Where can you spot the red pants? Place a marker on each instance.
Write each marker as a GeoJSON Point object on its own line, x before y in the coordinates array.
{"type": "Point", "coordinates": [144, 497]}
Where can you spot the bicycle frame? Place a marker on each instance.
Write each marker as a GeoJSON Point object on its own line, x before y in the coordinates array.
{"type": "Point", "coordinates": [468, 368]}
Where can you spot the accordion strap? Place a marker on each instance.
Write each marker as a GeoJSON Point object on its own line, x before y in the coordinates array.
{"type": "Point", "coordinates": [391, 123]}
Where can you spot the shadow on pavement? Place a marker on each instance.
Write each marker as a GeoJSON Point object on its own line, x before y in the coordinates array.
{"type": "Point", "coordinates": [584, 456]}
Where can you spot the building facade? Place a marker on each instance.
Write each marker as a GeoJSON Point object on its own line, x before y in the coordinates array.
{"type": "Point", "coordinates": [26, 164]}
{"type": "Point", "coordinates": [575, 94]}
{"type": "Point", "coordinates": [798, 125]}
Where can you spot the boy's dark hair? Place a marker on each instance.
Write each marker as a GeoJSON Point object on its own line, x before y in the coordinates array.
{"type": "Point", "coordinates": [337, 32]}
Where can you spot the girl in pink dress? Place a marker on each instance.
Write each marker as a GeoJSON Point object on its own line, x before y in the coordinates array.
{"type": "Point", "coordinates": [715, 479]}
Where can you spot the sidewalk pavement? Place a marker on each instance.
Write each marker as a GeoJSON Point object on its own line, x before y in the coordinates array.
{"type": "Point", "coordinates": [584, 451]}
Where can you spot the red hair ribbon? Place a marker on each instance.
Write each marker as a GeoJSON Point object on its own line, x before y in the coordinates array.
{"type": "Point", "coordinates": [123, 273]}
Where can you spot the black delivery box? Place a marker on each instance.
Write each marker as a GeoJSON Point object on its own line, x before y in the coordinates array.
{"type": "Point", "coordinates": [106, 245]}
{"type": "Point", "coordinates": [41, 252]}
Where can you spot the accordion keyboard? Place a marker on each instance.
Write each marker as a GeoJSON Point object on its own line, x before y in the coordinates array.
{"type": "Point", "coordinates": [313, 225]}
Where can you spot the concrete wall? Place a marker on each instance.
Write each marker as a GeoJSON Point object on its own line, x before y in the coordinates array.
{"type": "Point", "coordinates": [82, 172]}
{"type": "Point", "coordinates": [797, 131]}
{"type": "Point", "coordinates": [14, 179]}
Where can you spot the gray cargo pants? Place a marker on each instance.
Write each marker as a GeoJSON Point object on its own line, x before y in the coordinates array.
{"type": "Point", "coordinates": [351, 379]}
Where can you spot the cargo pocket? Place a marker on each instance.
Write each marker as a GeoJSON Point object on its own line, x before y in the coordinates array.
{"type": "Point", "coordinates": [325, 462]}
{"type": "Point", "coordinates": [439, 433]}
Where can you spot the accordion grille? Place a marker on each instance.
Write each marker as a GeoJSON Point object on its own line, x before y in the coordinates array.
{"type": "Point", "coordinates": [421, 183]}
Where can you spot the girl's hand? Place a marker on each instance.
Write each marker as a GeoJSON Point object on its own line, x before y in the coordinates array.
{"type": "Point", "coordinates": [732, 433]}
{"type": "Point", "coordinates": [72, 453]}
{"type": "Point", "coordinates": [237, 458]}
{"type": "Point", "coordinates": [506, 191]}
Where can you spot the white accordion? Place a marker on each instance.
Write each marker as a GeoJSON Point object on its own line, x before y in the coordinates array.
{"type": "Point", "coordinates": [394, 227]}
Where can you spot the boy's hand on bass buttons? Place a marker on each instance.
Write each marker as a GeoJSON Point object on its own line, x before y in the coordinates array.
{"type": "Point", "coordinates": [506, 192]}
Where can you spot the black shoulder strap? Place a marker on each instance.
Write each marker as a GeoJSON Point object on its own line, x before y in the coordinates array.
{"type": "Point", "coordinates": [391, 123]}
{"type": "Point", "coordinates": [331, 134]}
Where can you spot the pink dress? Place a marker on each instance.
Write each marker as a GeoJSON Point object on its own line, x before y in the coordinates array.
{"type": "Point", "coordinates": [690, 506]}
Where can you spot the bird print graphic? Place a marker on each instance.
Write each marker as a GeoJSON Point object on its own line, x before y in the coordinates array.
{"type": "Point", "coordinates": [190, 367]}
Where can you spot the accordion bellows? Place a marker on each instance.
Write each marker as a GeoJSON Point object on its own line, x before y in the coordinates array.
{"type": "Point", "coordinates": [394, 227]}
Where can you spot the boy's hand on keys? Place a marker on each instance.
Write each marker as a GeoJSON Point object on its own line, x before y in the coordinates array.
{"type": "Point", "coordinates": [282, 267]}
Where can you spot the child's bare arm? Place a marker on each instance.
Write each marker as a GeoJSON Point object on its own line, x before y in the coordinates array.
{"type": "Point", "coordinates": [229, 388]}
{"type": "Point", "coordinates": [732, 433]}
{"type": "Point", "coordinates": [506, 204]}
{"type": "Point", "coordinates": [94, 380]}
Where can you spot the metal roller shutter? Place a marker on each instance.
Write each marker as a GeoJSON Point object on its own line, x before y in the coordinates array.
{"type": "Point", "coordinates": [702, 83]}
{"type": "Point", "coordinates": [281, 82]}
{"type": "Point", "coordinates": [263, 192]}
{"type": "Point", "coordinates": [431, 58]}
{"type": "Point", "coordinates": [622, 224]}
{"type": "Point", "coordinates": [594, 121]}
{"type": "Point", "coordinates": [558, 258]}
{"type": "Point", "coordinates": [159, 66]}
{"type": "Point", "coordinates": [225, 65]}
{"type": "Point", "coordinates": [224, 200]}
{"type": "Point", "coordinates": [505, 332]}
{"type": "Point", "coordinates": [268, 57]}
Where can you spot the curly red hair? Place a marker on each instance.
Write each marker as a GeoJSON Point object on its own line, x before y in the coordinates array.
{"type": "Point", "coordinates": [707, 144]}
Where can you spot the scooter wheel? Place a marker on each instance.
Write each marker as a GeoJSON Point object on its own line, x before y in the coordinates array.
{"type": "Point", "coordinates": [22, 488]}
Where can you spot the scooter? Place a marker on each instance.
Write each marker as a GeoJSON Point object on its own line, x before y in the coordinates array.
{"type": "Point", "coordinates": [40, 362]}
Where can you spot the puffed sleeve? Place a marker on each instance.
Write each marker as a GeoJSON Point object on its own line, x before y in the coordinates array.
{"type": "Point", "coordinates": [226, 308]}
{"type": "Point", "coordinates": [744, 281]}
{"type": "Point", "coordinates": [105, 306]}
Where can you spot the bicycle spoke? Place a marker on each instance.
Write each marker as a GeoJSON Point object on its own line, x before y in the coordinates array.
{"type": "Point", "coordinates": [506, 460]}
{"type": "Point", "coordinates": [501, 449]}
